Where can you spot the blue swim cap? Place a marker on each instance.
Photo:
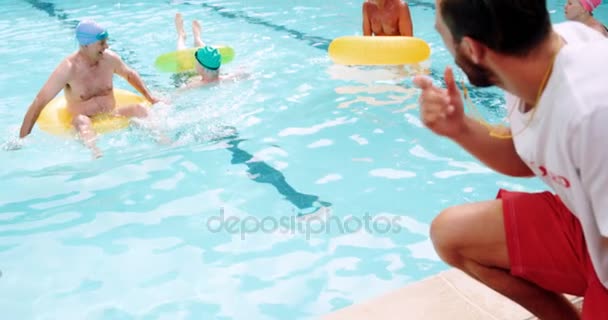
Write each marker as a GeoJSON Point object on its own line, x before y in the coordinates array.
{"type": "Point", "coordinates": [208, 57]}
{"type": "Point", "coordinates": [88, 31]}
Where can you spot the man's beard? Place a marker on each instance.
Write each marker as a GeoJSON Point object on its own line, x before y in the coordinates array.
{"type": "Point", "coordinates": [479, 76]}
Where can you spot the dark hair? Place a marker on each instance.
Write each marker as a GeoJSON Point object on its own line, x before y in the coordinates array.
{"type": "Point", "coordinates": [507, 26]}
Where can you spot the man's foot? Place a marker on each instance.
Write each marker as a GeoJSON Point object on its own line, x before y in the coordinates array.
{"type": "Point", "coordinates": [179, 27]}
{"type": "Point", "coordinates": [196, 33]}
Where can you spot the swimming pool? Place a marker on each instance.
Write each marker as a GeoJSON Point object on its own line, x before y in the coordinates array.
{"type": "Point", "coordinates": [139, 232]}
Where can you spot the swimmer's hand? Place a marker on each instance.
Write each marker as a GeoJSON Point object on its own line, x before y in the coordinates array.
{"type": "Point", "coordinates": [441, 110]}
{"type": "Point", "coordinates": [13, 144]}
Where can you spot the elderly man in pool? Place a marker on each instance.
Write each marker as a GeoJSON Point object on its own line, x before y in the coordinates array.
{"type": "Point", "coordinates": [387, 18]}
{"type": "Point", "coordinates": [86, 79]}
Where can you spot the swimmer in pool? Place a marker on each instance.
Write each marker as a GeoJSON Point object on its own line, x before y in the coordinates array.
{"type": "Point", "coordinates": [85, 76]}
{"type": "Point", "coordinates": [582, 11]}
{"type": "Point", "coordinates": [208, 59]}
{"type": "Point", "coordinates": [387, 18]}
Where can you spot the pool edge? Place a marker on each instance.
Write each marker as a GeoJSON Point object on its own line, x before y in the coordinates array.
{"type": "Point", "coordinates": [448, 295]}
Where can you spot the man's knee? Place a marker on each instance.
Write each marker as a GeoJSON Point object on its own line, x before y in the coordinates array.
{"type": "Point", "coordinates": [143, 110]}
{"type": "Point", "coordinates": [446, 234]}
{"type": "Point", "coordinates": [471, 231]}
{"type": "Point", "coordinates": [81, 121]}
{"type": "Point", "coordinates": [139, 111]}
{"type": "Point", "coordinates": [135, 110]}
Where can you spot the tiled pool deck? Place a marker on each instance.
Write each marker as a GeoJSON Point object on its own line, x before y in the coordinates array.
{"type": "Point", "coordinates": [448, 295]}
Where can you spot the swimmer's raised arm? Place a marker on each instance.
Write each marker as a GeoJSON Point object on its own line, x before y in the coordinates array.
{"type": "Point", "coordinates": [56, 82]}
{"type": "Point", "coordinates": [405, 21]}
{"type": "Point", "coordinates": [123, 70]}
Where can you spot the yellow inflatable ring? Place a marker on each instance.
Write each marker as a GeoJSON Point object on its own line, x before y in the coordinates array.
{"type": "Point", "coordinates": [382, 50]}
{"type": "Point", "coordinates": [55, 118]}
{"type": "Point", "coordinates": [183, 60]}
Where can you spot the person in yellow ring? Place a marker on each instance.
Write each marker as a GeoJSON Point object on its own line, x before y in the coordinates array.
{"type": "Point", "coordinates": [208, 59]}
{"type": "Point", "coordinates": [387, 18]}
{"type": "Point", "coordinates": [86, 79]}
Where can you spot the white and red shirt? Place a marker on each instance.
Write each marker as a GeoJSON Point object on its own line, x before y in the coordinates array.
{"type": "Point", "coordinates": [565, 140]}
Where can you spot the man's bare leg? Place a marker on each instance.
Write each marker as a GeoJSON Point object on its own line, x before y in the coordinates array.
{"type": "Point", "coordinates": [196, 34]}
{"type": "Point", "coordinates": [141, 111]}
{"type": "Point", "coordinates": [471, 237]}
{"type": "Point", "coordinates": [133, 110]}
{"type": "Point", "coordinates": [86, 133]}
{"type": "Point", "coordinates": [181, 34]}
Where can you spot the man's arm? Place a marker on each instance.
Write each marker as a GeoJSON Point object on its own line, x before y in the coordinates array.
{"type": "Point", "coordinates": [131, 76]}
{"type": "Point", "coordinates": [56, 82]}
{"type": "Point", "coordinates": [442, 110]}
{"type": "Point", "coordinates": [367, 28]}
{"type": "Point", "coordinates": [405, 21]}
{"type": "Point", "coordinates": [496, 153]}
{"type": "Point", "coordinates": [587, 148]}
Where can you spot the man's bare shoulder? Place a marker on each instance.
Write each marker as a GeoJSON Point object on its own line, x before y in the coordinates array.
{"type": "Point", "coordinates": [404, 10]}
{"type": "Point", "coordinates": [110, 53]}
{"type": "Point", "coordinates": [111, 57]}
{"type": "Point", "coordinates": [402, 5]}
{"type": "Point", "coordinates": [68, 63]}
{"type": "Point", "coordinates": [70, 60]}
{"type": "Point", "coordinates": [368, 6]}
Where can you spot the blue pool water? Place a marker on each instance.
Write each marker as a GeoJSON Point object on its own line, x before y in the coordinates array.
{"type": "Point", "coordinates": [206, 227]}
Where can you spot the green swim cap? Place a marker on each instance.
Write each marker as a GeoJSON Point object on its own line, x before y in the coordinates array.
{"type": "Point", "coordinates": [208, 57]}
